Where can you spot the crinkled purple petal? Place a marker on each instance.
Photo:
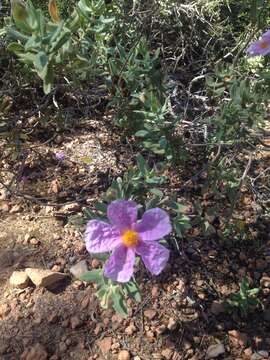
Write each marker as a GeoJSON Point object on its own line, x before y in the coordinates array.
{"type": "Point", "coordinates": [255, 48]}
{"type": "Point", "coordinates": [154, 224]}
{"type": "Point", "coordinates": [120, 266]}
{"type": "Point", "coordinates": [122, 214]}
{"type": "Point", "coordinates": [101, 237]}
{"type": "Point", "coordinates": [154, 256]}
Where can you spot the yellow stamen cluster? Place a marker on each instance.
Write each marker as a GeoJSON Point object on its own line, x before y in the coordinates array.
{"type": "Point", "coordinates": [130, 238]}
{"type": "Point", "coordinates": [264, 44]}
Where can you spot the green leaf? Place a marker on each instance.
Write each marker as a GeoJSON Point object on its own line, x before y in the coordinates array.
{"type": "Point", "coordinates": [133, 291]}
{"type": "Point", "coordinates": [15, 47]}
{"type": "Point", "coordinates": [95, 276]}
{"type": "Point", "coordinates": [141, 133]}
{"type": "Point", "coordinates": [119, 303]}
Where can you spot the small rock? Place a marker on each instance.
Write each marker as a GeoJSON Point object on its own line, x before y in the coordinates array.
{"type": "Point", "coordinates": [238, 338]}
{"type": "Point", "coordinates": [34, 241]}
{"type": "Point", "coordinates": [260, 355]}
{"type": "Point", "coordinates": [34, 353]}
{"type": "Point", "coordinates": [161, 329]}
{"type": "Point", "coordinates": [19, 279]}
{"type": "Point", "coordinates": [105, 345]}
{"type": "Point", "coordinates": [70, 208]}
{"type": "Point", "coordinates": [214, 351]}
{"type": "Point", "coordinates": [150, 314]}
{"type": "Point", "coordinates": [124, 355]}
{"type": "Point", "coordinates": [75, 322]}
{"type": "Point", "coordinates": [167, 353]}
{"type": "Point", "coordinates": [4, 207]}
{"type": "Point", "coordinates": [15, 209]}
{"type": "Point", "coordinates": [261, 264]}
{"type": "Point", "coordinates": [266, 315]}
{"type": "Point", "coordinates": [248, 353]}
{"type": "Point", "coordinates": [95, 263]}
{"type": "Point", "coordinates": [217, 308]}
{"type": "Point", "coordinates": [265, 282]}
{"type": "Point", "coordinates": [130, 329]}
{"type": "Point", "coordinates": [172, 324]}
{"type": "Point", "coordinates": [45, 278]}
{"type": "Point", "coordinates": [52, 318]}
{"type": "Point", "coordinates": [62, 347]}
{"type": "Point", "coordinates": [4, 309]}
{"type": "Point", "coordinates": [79, 269]}
{"type": "Point", "coordinates": [155, 292]}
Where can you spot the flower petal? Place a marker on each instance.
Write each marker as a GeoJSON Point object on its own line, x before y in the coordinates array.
{"type": "Point", "coordinates": [101, 237]}
{"type": "Point", "coordinates": [120, 266]}
{"type": "Point", "coordinates": [154, 256]}
{"type": "Point", "coordinates": [122, 213]}
{"type": "Point", "coordinates": [154, 224]}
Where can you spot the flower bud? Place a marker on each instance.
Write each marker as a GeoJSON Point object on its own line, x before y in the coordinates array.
{"type": "Point", "coordinates": [19, 10]}
{"type": "Point", "coordinates": [53, 10]}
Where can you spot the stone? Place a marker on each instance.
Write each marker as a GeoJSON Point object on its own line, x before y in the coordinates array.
{"type": "Point", "coordinates": [34, 353]}
{"type": "Point", "coordinates": [172, 324]}
{"type": "Point", "coordinates": [4, 309]}
{"type": "Point", "coordinates": [124, 355]}
{"type": "Point", "coordinates": [79, 269]}
{"type": "Point", "coordinates": [70, 208]}
{"type": "Point", "coordinates": [260, 355]}
{"type": "Point", "coordinates": [150, 314]}
{"type": "Point", "coordinates": [130, 329]}
{"type": "Point", "coordinates": [15, 209]}
{"type": "Point", "coordinates": [265, 282]}
{"type": "Point", "coordinates": [238, 338]}
{"type": "Point", "coordinates": [19, 279]}
{"type": "Point", "coordinates": [167, 353]}
{"type": "Point", "coordinates": [105, 345]}
{"type": "Point", "coordinates": [75, 322]}
{"type": "Point", "coordinates": [45, 278]}
{"type": "Point", "coordinates": [217, 308]}
{"type": "Point", "coordinates": [266, 315]}
{"type": "Point", "coordinates": [214, 351]}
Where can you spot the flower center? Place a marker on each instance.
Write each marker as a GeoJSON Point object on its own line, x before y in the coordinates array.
{"type": "Point", "coordinates": [264, 44]}
{"type": "Point", "coordinates": [130, 238]}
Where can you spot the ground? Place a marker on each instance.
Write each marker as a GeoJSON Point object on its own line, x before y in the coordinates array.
{"type": "Point", "coordinates": [182, 315]}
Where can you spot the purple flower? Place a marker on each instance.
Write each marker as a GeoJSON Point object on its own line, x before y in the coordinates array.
{"type": "Point", "coordinates": [60, 155]}
{"type": "Point", "coordinates": [126, 237]}
{"type": "Point", "coordinates": [261, 46]}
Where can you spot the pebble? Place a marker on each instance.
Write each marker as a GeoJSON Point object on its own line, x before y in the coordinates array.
{"type": "Point", "coordinates": [150, 314]}
{"type": "Point", "coordinates": [4, 309]}
{"type": "Point", "coordinates": [75, 322]}
{"type": "Point", "coordinates": [124, 355]}
{"type": "Point", "coordinates": [79, 269]}
{"type": "Point", "coordinates": [214, 351]}
{"type": "Point", "coordinates": [172, 324]}
{"type": "Point", "coordinates": [45, 278]}
{"type": "Point", "coordinates": [266, 315]}
{"type": "Point", "coordinates": [34, 353]}
{"type": "Point", "coordinates": [265, 282]}
{"type": "Point", "coordinates": [34, 241]}
{"type": "Point", "coordinates": [238, 338]}
{"type": "Point", "coordinates": [105, 345]}
{"type": "Point", "coordinates": [167, 353]}
{"type": "Point", "coordinates": [155, 292]}
{"type": "Point", "coordinates": [130, 329]}
{"type": "Point", "coordinates": [19, 279]}
{"type": "Point", "coordinates": [15, 209]}
{"type": "Point", "coordinates": [95, 263]}
{"type": "Point", "coordinates": [260, 355]}
{"type": "Point", "coordinates": [217, 308]}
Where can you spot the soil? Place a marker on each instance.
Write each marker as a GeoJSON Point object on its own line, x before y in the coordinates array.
{"type": "Point", "coordinates": [182, 315]}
